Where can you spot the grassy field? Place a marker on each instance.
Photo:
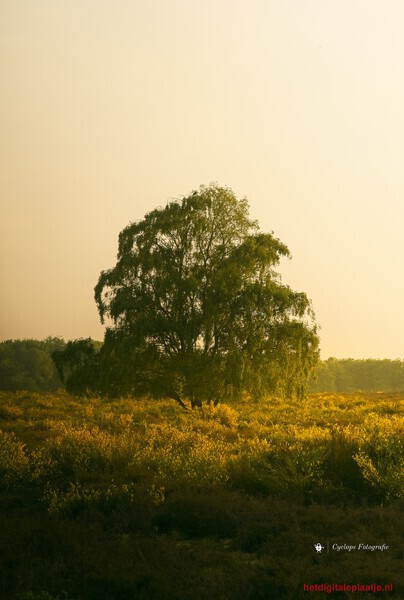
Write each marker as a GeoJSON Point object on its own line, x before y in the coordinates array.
{"type": "Point", "coordinates": [140, 499]}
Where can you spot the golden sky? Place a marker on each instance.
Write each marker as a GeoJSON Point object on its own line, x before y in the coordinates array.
{"type": "Point", "coordinates": [108, 108]}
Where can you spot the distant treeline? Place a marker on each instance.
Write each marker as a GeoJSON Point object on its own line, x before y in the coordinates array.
{"type": "Point", "coordinates": [28, 365]}
{"type": "Point", "coordinates": [349, 375]}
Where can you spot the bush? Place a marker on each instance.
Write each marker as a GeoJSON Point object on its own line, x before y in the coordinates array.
{"type": "Point", "coordinates": [14, 462]}
{"type": "Point", "coordinates": [197, 513]}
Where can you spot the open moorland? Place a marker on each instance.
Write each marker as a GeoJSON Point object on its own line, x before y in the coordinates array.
{"type": "Point", "coordinates": [127, 499]}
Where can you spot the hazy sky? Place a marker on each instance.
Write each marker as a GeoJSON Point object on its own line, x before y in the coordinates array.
{"type": "Point", "coordinates": [108, 108]}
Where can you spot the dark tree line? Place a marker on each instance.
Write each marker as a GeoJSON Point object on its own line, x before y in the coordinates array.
{"type": "Point", "coordinates": [28, 365]}
{"type": "Point", "coordinates": [349, 375]}
{"type": "Point", "coordinates": [78, 366]}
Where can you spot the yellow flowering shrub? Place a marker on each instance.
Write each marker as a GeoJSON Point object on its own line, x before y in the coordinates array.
{"type": "Point", "coordinates": [14, 462]}
{"type": "Point", "coordinates": [352, 442]}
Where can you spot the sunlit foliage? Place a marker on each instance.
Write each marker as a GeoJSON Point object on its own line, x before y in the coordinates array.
{"type": "Point", "coordinates": [351, 445]}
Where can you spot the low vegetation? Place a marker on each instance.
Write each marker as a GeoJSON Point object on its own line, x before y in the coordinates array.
{"type": "Point", "coordinates": [140, 499]}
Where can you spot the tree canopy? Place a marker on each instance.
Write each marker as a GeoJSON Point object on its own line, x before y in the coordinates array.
{"type": "Point", "coordinates": [196, 309]}
{"type": "Point", "coordinates": [27, 364]}
{"type": "Point", "coordinates": [77, 365]}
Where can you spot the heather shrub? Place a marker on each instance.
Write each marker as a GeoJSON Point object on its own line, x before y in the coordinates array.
{"type": "Point", "coordinates": [14, 462]}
